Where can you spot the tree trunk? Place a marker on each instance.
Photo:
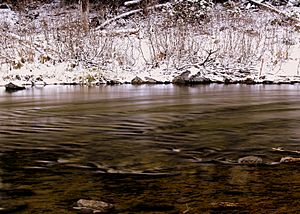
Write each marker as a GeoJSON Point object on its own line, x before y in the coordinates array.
{"type": "Point", "coordinates": [85, 14]}
{"type": "Point", "coordinates": [62, 3]}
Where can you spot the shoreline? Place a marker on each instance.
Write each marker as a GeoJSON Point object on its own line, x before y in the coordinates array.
{"type": "Point", "coordinates": [62, 75]}
{"type": "Point", "coordinates": [186, 83]}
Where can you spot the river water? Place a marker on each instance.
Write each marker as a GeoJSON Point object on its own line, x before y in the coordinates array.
{"type": "Point", "coordinates": [149, 149]}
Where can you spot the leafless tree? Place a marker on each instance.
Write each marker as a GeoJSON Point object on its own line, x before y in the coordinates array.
{"type": "Point", "coordinates": [85, 14]}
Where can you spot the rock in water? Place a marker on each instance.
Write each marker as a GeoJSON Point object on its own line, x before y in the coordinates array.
{"type": "Point", "coordinates": [12, 87]}
{"type": "Point", "coordinates": [151, 80]}
{"type": "Point", "coordinates": [113, 82]}
{"type": "Point", "coordinates": [250, 160]}
{"type": "Point", "coordinates": [137, 81]}
{"type": "Point", "coordinates": [224, 205]}
{"type": "Point", "coordinates": [248, 81]}
{"type": "Point", "coordinates": [289, 159]}
{"type": "Point", "coordinates": [93, 206]}
{"type": "Point", "coordinates": [183, 78]}
{"type": "Point", "coordinates": [199, 79]}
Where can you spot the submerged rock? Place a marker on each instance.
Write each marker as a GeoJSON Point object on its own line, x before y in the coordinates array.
{"type": "Point", "coordinates": [137, 81]}
{"type": "Point", "coordinates": [225, 205]}
{"type": "Point", "coordinates": [16, 208]}
{"type": "Point", "coordinates": [10, 87]}
{"type": "Point", "coordinates": [250, 160]}
{"type": "Point", "coordinates": [93, 206]}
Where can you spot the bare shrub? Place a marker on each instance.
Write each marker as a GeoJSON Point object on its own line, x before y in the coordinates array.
{"type": "Point", "coordinates": [233, 38]}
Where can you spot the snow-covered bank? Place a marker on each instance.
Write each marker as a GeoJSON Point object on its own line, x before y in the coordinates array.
{"type": "Point", "coordinates": [64, 74]}
{"type": "Point", "coordinates": [228, 46]}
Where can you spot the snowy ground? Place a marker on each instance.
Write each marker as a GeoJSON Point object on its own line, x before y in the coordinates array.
{"type": "Point", "coordinates": [47, 46]}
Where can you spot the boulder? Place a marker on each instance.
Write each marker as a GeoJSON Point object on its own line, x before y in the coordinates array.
{"type": "Point", "coordinates": [182, 78]}
{"type": "Point", "coordinates": [39, 79]}
{"type": "Point", "coordinates": [199, 79]}
{"type": "Point", "coordinates": [4, 7]}
{"type": "Point", "coordinates": [151, 80]}
{"type": "Point", "coordinates": [229, 81]}
{"type": "Point", "coordinates": [10, 87]}
{"type": "Point", "coordinates": [289, 159]}
{"type": "Point", "coordinates": [93, 206]}
{"type": "Point", "coordinates": [268, 82]}
{"type": "Point", "coordinates": [100, 82]}
{"type": "Point", "coordinates": [248, 81]}
{"type": "Point", "coordinates": [250, 160]}
{"type": "Point", "coordinates": [113, 82]}
{"type": "Point", "coordinates": [137, 81]}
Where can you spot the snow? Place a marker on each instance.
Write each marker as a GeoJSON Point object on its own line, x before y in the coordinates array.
{"type": "Point", "coordinates": [128, 3]}
{"type": "Point", "coordinates": [55, 53]}
{"type": "Point", "coordinates": [8, 18]}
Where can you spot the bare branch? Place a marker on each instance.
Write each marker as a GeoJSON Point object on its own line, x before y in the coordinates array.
{"type": "Point", "coordinates": [119, 32]}
{"type": "Point", "coordinates": [129, 13]}
{"type": "Point", "coordinates": [274, 9]}
{"type": "Point", "coordinates": [132, 2]}
{"type": "Point", "coordinates": [208, 59]}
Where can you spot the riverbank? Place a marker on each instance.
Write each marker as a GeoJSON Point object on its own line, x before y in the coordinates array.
{"type": "Point", "coordinates": [229, 43]}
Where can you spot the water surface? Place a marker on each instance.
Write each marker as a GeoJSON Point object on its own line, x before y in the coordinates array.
{"type": "Point", "coordinates": [149, 149]}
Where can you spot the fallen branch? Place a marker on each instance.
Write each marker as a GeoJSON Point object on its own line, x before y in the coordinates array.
{"type": "Point", "coordinates": [132, 2]}
{"type": "Point", "coordinates": [129, 13]}
{"type": "Point", "coordinates": [119, 32]}
{"type": "Point", "coordinates": [275, 10]}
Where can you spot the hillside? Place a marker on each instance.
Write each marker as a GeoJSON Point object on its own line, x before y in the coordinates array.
{"type": "Point", "coordinates": [180, 41]}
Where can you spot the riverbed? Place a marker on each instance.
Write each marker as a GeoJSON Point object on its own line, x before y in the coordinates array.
{"type": "Point", "coordinates": [149, 148]}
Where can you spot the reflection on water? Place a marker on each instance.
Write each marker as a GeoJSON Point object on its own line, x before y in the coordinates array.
{"type": "Point", "coordinates": [149, 149]}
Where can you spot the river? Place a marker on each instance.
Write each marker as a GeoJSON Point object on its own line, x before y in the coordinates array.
{"type": "Point", "coordinates": [149, 149]}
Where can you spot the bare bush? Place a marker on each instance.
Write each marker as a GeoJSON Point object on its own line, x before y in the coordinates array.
{"type": "Point", "coordinates": [224, 39]}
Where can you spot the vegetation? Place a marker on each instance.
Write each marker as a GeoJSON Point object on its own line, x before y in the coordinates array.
{"type": "Point", "coordinates": [120, 35]}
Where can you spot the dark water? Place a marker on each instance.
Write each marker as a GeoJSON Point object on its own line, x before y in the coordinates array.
{"type": "Point", "coordinates": [149, 149]}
